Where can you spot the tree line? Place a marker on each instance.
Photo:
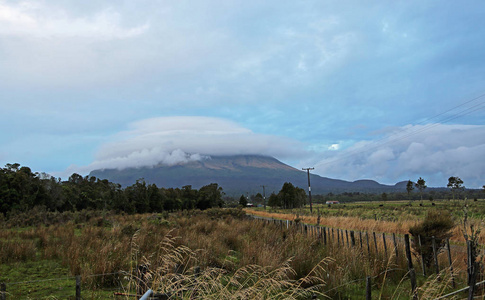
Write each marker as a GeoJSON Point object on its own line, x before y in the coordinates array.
{"type": "Point", "coordinates": [288, 197]}
{"type": "Point", "coordinates": [21, 190]}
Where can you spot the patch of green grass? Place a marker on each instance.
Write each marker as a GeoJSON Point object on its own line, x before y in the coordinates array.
{"type": "Point", "coordinates": [391, 210]}
{"type": "Point", "coordinates": [37, 280]}
{"type": "Point", "coordinates": [43, 279]}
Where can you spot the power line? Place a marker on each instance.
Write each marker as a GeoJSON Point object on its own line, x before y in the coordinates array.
{"type": "Point", "coordinates": [396, 136]}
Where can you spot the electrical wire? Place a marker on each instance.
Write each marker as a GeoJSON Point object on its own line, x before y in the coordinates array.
{"type": "Point", "coordinates": [404, 133]}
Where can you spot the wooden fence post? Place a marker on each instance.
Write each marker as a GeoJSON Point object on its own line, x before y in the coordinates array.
{"type": "Point", "coordinates": [324, 236]}
{"type": "Point", "coordinates": [78, 287]}
{"type": "Point", "coordinates": [3, 291]}
{"type": "Point", "coordinates": [367, 238]}
{"type": "Point", "coordinates": [368, 288]}
{"type": "Point", "coordinates": [347, 236]}
{"type": "Point", "coordinates": [451, 263]}
{"type": "Point", "coordinates": [469, 260]}
{"type": "Point", "coordinates": [385, 245]}
{"type": "Point", "coordinates": [338, 237]}
{"type": "Point", "coordinates": [395, 247]}
{"type": "Point", "coordinates": [360, 235]}
{"type": "Point", "coordinates": [473, 269]}
{"type": "Point", "coordinates": [375, 242]}
{"type": "Point", "coordinates": [412, 273]}
{"type": "Point", "coordinates": [352, 238]}
{"type": "Point", "coordinates": [423, 265]}
{"type": "Point", "coordinates": [435, 255]}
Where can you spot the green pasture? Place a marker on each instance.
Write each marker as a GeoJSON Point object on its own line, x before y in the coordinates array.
{"type": "Point", "coordinates": [390, 210]}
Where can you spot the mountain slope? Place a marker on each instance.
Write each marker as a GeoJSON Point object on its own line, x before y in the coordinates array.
{"type": "Point", "coordinates": [238, 175]}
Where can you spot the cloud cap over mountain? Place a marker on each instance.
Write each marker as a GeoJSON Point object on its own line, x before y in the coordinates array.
{"type": "Point", "coordinates": [173, 140]}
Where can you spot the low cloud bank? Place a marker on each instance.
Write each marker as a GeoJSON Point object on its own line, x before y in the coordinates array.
{"type": "Point", "coordinates": [177, 140]}
{"type": "Point", "coordinates": [434, 152]}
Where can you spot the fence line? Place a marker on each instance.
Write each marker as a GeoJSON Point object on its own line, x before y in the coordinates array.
{"type": "Point", "coordinates": [77, 278]}
{"type": "Point", "coordinates": [320, 232]}
{"type": "Point", "coordinates": [61, 278]}
{"type": "Point", "coordinates": [472, 265]}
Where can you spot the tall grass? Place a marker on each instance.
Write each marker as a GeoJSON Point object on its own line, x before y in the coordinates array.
{"type": "Point", "coordinates": [400, 226]}
{"type": "Point", "coordinates": [237, 257]}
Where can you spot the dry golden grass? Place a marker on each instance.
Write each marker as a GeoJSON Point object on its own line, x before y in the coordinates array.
{"type": "Point", "coordinates": [349, 223]}
{"type": "Point", "coordinates": [369, 225]}
{"type": "Point", "coordinates": [248, 282]}
{"type": "Point", "coordinates": [238, 258]}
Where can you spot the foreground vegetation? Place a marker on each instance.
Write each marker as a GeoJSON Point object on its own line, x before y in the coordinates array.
{"type": "Point", "coordinates": [52, 231]}
{"type": "Point", "coordinates": [215, 254]}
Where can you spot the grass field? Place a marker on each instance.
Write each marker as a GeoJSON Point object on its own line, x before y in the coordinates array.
{"type": "Point", "coordinates": [237, 257]}
{"type": "Point", "coordinates": [389, 217]}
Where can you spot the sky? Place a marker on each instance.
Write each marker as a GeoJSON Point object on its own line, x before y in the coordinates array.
{"type": "Point", "coordinates": [381, 90]}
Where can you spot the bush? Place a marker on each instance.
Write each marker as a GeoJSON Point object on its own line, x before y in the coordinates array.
{"type": "Point", "coordinates": [436, 223]}
{"type": "Point", "coordinates": [221, 213]}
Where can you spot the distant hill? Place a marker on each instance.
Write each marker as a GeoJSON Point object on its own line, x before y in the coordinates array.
{"type": "Point", "coordinates": [238, 175]}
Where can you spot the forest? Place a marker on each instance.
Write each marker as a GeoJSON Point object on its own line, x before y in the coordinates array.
{"type": "Point", "coordinates": [21, 190]}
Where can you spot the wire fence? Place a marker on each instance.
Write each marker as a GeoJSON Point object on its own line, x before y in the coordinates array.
{"type": "Point", "coordinates": [14, 290]}
{"type": "Point", "coordinates": [367, 242]}
{"type": "Point", "coordinates": [371, 243]}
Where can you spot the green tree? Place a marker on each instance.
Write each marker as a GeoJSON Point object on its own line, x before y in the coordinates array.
{"type": "Point", "coordinates": [291, 196]}
{"type": "Point", "coordinates": [274, 201]}
{"type": "Point", "coordinates": [210, 196]}
{"type": "Point", "coordinates": [137, 195]}
{"type": "Point", "coordinates": [421, 185]}
{"type": "Point", "coordinates": [258, 198]}
{"type": "Point", "coordinates": [384, 197]}
{"type": "Point", "coordinates": [155, 198]}
{"type": "Point", "coordinates": [409, 187]}
{"type": "Point", "coordinates": [455, 184]}
{"type": "Point", "coordinates": [189, 197]}
{"type": "Point", "coordinates": [171, 203]}
{"type": "Point", "coordinates": [243, 201]}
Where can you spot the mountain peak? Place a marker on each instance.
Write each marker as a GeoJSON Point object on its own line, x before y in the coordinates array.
{"type": "Point", "coordinates": [243, 161]}
{"type": "Point", "coordinates": [236, 174]}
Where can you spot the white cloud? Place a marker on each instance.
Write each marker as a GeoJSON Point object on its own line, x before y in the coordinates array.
{"type": "Point", "coordinates": [174, 140]}
{"type": "Point", "coordinates": [434, 152]}
{"type": "Point", "coordinates": [36, 20]}
{"type": "Point", "coordinates": [43, 45]}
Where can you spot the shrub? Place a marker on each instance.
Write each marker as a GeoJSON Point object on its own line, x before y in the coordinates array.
{"type": "Point", "coordinates": [220, 213]}
{"type": "Point", "coordinates": [437, 223]}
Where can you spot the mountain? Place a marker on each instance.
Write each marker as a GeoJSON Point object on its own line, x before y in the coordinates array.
{"type": "Point", "coordinates": [238, 175]}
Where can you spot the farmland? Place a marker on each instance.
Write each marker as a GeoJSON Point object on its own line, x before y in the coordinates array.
{"type": "Point", "coordinates": [220, 253]}
{"type": "Point", "coordinates": [390, 216]}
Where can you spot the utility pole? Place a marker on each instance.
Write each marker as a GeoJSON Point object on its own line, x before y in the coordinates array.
{"type": "Point", "coordinates": [264, 197]}
{"type": "Point", "coordinates": [309, 187]}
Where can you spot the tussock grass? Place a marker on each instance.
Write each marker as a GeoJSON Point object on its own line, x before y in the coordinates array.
{"type": "Point", "coordinates": [238, 258]}
{"type": "Point", "coordinates": [247, 282]}
{"type": "Point", "coordinates": [400, 226]}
